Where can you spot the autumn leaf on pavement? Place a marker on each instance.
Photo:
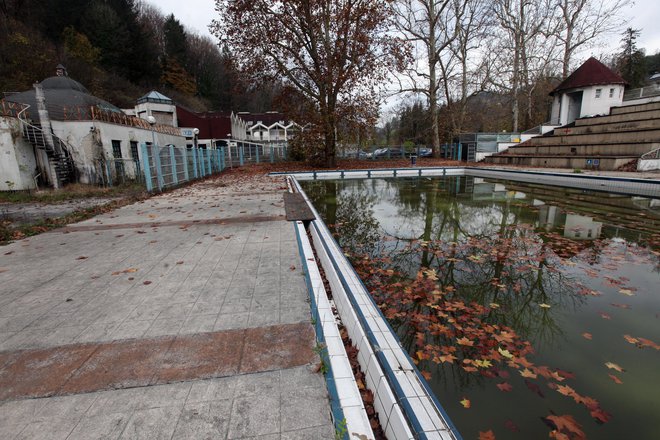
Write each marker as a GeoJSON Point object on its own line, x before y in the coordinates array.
{"type": "Point", "coordinates": [613, 366]}
{"type": "Point", "coordinates": [466, 403]}
{"type": "Point", "coordinates": [488, 435]}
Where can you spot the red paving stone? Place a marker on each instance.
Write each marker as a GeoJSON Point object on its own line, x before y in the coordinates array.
{"type": "Point", "coordinates": [82, 368]}
{"type": "Point", "coordinates": [40, 373]}
{"type": "Point", "coordinates": [180, 223]}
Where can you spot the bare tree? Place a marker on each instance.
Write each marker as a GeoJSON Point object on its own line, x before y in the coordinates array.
{"type": "Point", "coordinates": [429, 25]}
{"type": "Point", "coordinates": [523, 23]}
{"type": "Point", "coordinates": [335, 52]}
{"type": "Point", "coordinates": [473, 26]}
{"type": "Point", "coordinates": [581, 22]}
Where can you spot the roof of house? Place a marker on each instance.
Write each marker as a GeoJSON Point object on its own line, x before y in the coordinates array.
{"type": "Point", "coordinates": [154, 96]}
{"type": "Point", "coordinates": [66, 99]}
{"type": "Point", "coordinates": [267, 119]}
{"type": "Point", "coordinates": [211, 125]}
{"type": "Point", "coordinates": [591, 73]}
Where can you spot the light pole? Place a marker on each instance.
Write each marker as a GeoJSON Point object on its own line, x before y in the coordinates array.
{"type": "Point", "coordinates": [152, 121]}
{"type": "Point", "coordinates": [195, 133]}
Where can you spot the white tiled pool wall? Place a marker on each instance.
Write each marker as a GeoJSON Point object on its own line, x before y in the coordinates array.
{"type": "Point", "coordinates": [406, 407]}
{"type": "Point", "coordinates": [351, 416]}
{"type": "Point", "coordinates": [621, 185]}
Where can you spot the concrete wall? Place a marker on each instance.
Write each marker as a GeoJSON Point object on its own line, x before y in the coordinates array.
{"type": "Point", "coordinates": [648, 165]}
{"type": "Point", "coordinates": [18, 165]}
{"type": "Point", "coordinates": [165, 114]}
{"type": "Point", "coordinates": [92, 142]}
{"type": "Point", "coordinates": [592, 105]}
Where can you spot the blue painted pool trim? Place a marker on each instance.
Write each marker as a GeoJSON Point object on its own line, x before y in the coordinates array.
{"type": "Point", "coordinates": [335, 406]}
{"type": "Point", "coordinates": [384, 363]}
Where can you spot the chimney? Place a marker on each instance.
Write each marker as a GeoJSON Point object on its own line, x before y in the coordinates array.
{"type": "Point", "coordinates": [60, 70]}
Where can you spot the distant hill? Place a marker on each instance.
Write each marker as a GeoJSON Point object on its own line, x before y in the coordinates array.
{"type": "Point", "coordinates": [120, 49]}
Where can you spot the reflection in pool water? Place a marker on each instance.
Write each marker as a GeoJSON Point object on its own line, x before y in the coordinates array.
{"type": "Point", "coordinates": [535, 306]}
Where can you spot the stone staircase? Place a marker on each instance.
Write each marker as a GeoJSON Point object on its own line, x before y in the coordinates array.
{"type": "Point", "coordinates": [601, 142]}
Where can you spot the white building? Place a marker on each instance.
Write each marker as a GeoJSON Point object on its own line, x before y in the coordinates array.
{"type": "Point", "coordinates": [589, 91]}
{"type": "Point", "coordinates": [58, 132]}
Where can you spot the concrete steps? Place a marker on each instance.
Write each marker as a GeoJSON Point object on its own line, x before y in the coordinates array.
{"type": "Point", "coordinates": [635, 108]}
{"type": "Point", "coordinates": [624, 117]}
{"type": "Point", "coordinates": [603, 142]}
{"type": "Point", "coordinates": [602, 149]}
{"type": "Point", "coordinates": [555, 161]}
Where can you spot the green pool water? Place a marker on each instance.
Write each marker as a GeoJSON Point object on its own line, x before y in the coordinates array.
{"type": "Point", "coordinates": [539, 305]}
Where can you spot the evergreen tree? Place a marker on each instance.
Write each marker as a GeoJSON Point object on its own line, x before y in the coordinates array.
{"type": "Point", "coordinates": [631, 61]}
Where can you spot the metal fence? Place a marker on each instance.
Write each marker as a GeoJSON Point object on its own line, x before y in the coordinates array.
{"type": "Point", "coordinates": [452, 151]}
{"type": "Point", "coordinates": [168, 166]}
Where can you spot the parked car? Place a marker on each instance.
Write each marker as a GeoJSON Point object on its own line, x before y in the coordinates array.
{"type": "Point", "coordinates": [389, 153]}
{"type": "Point", "coordinates": [425, 152]}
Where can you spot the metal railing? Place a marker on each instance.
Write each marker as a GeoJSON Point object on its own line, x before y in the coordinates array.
{"type": "Point", "coordinates": [653, 154]}
{"type": "Point", "coordinates": [642, 92]}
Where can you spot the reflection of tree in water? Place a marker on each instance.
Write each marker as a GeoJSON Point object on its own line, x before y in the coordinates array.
{"type": "Point", "coordinates": [468, 282]}
{"type": "Point", "coordinates": [485, 258]}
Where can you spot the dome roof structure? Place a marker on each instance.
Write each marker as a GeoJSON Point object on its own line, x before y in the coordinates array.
{"type": "Point", "coordinates": [66, 99]}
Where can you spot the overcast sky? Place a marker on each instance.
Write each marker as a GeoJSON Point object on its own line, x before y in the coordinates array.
{"type": "Point", "coordinates": [644, 15]}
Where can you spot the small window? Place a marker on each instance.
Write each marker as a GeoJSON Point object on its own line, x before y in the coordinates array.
{"type": "Point", "coordinates": [116, 149]}
{"type": "Point", "coordinates": [598, 93]}
{"type": "Point", "coordinates": [134, 150]}
{"type": "Point", "coordinates": [611, 93]}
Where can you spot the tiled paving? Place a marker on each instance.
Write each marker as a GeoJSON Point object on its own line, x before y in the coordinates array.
{"type": "Point", "coordinates": [168, 281]}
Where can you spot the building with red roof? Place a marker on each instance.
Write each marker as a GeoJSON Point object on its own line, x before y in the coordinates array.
{"type": "Point", "coordinates": [589, 91]}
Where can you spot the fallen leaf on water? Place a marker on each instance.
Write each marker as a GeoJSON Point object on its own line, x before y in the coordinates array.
{"type": "Point", "coordinates": [506, 353]}
{"type": "Point", "coordinates": [466, 402]}
{"type": "Point", "coordinates": [615, 379]}
{"type": "Point", "coordinates": [631, 339]}
{"type": "Point", "coordinates": [426, 375]}
{"type": "Point", "coordinates": [566, 424]}
{"type": "Point", "coordinates": [587, 336]}
{"type": "Point", "coordinates": [605, 315]}
{"type": "Point", "coordinates": [621, 306]}
{"type": "Point", "coordinates": [613, 366]}
{"type": "Point", "coordinates": [511, 426]}
{"type": "Point", "coordinates": [626, 292]}
{"type": "Point", "coordinates": [527, 373]}
{"type": "Point", "coordinates": [545, 306]}
{"type": "Point", "coordinates": [465, 341]}
{"type": "Point", "coordinates": [504, 386]}
{"type": "Point", "coordinates": [488, 435]}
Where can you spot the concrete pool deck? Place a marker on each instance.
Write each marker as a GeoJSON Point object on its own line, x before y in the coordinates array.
{"type": "Point", "coordinates": [182, 316]}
